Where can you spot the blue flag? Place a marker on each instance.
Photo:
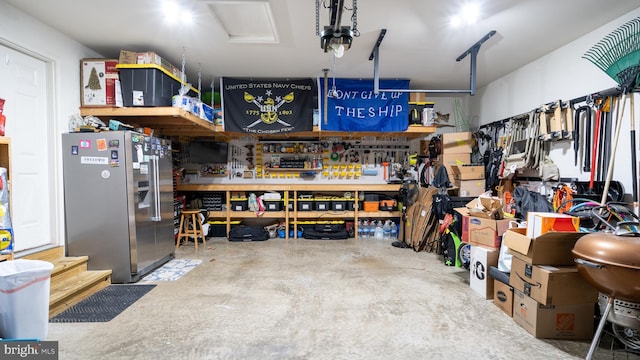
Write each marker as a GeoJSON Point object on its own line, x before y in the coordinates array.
{"type": "Point", "coordinates": [355, 107]}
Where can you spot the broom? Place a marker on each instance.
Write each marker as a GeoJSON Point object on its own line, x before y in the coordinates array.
{"type": "Point", "coordinates": [618, 55]}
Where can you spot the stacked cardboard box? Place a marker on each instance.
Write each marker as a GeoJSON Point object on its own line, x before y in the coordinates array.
{"type": "Point", "coordinates": [482, 223]}
{"type": "Point", "coordinates": [456, 151]}
{"type": "Point", "coordinates": [469, 179]}
{"type": "Point", "coordinates": [149, 58]}
{"type": "Point", "coordinates": [551, 300]}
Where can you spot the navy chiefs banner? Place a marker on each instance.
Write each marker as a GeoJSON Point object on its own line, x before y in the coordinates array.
{"type": "Point", "coordinates": [267, 106]}
{"type": "Point", "coordinates": [355, 107]}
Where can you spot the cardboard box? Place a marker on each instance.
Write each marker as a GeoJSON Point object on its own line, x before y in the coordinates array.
{"type": "Point", "coordinates": [454, 143]}
{"type": "Point", "coordinates": [468, 188]}
{"type": "Point", "coordinates": [553, 248]}
{"type": "Point", "coordinates": [98, 82]}
{"type": "Point", "coordinates": [484, 232]}
{"type": "Point", "coordinates": [148, 58]}
{"type": "Point", "coordinates": [417, 97]}
{"type": "Point", "coordinates": [539, 223]}
{"type": "Point", "coordinates": [128, 57]}
{"type": "Point", "coordinates": [565, 322]}
{"type": "Point", "coordinates": [551, 285]}
{"type": "Point", "coordinates": [481, 259]}
{"type": "Point", "coordinates": [448, 160]}
{"type": "Point", "coordinates": [503, 297]}
{"type": "Point", "coordinates": [485, 207]}
{"type": "Point", "coordinates": [468, 172]}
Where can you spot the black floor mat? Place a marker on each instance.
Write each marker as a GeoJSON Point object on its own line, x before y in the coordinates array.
{"type": "Point", "coordinates": [104, 305]}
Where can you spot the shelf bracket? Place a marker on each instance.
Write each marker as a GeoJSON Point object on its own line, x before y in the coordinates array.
{"type": "Point", "coordinates": [473, 51]}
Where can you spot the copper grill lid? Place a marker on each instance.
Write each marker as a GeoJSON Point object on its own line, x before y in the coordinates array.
{"type": "Point", "coordinates": [609, 249]}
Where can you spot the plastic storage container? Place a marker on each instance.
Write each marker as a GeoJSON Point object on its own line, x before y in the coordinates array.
{"type": "Point", "coordinates": [339, 204]}
{"type": "Point", "coordinates": [239, 204]}
{"type": "Point", "coordinates": [148, 85]}
{"type": "Point", "coordinates": [272, 205]}
{"type": "Point", "coordinates": [322, 204]}
{"type": "Point", "coordinates": [305, 205]}
{"type": "Point", "coordinates": [218, 228]}
{"type": "Point", "coordinates": [24, 299]}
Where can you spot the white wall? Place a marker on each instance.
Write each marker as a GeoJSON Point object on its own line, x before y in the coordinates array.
{"type": "Point", "coordinates": [25, 33]}
{"type": "Point", "coordinates": [562, 74]}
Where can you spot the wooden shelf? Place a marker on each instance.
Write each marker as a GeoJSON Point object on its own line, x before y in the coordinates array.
{"type": "Point", "coordinates": [170, 121]}
{"type": "Point", "coordinates": [267, 170]}
{"type": "Point", "coordinates": [378, 214]}
{"type": "Point", "coordinates": [217, 214]}
{"type": "Point", "coordinates": [325, 214]}
{"type": "Point", "coordinates": [291, 192]}
{"type": "Point", "coordinates": [174, 121]}
{"type": "Point", "coordinates": [288, 187]}
{"type": "Point", "coordinates": [252, 214]}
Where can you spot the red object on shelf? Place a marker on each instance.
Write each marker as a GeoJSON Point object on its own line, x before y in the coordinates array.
{"type": "Point", "coordinates": [3, 118]}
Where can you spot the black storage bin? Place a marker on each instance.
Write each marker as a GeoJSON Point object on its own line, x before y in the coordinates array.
{"type": "Point", "coordinates": [338, 204]}
{"type": "Point", "coordinates": [322, 204]}
{"type": "Point", "coordinates": [239, 204]}
{"type": "Point", "coordinates": [351, 205]}
{"type": "Point", "coordinates": [150, 85]}
{"type": "Point", "coordinates": [219, 228]}
{"type": "Point", "coordinates": [272, 205]}
{"type": "Point", "coordinates": [305, 205]}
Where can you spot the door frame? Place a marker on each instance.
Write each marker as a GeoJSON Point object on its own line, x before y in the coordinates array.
{"type": "Point", "coordinates": [54, 163]}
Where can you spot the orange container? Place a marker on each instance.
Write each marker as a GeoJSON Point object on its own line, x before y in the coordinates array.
{"type": "Point", "coordinates": [371, 205]}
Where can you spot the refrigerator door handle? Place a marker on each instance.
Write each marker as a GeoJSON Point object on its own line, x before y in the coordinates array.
{"type": "Point", "coordinates": [156, 189]}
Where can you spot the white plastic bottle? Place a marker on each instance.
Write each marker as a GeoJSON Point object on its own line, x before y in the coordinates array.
{"type": "Point", "coordinates": [372, 229]}
{"type": "Point", "coordinates": [365, 229]}
{"type": "Point", "coordinates": [379, 232]}
{"type": "Point", "coordinates": [394, 231]}
{"type": "Point", "coordinates": [387, 230]}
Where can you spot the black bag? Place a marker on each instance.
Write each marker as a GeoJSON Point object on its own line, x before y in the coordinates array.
{"type": "Point", "coordinates": [312, 234]}
{"type": "Point", "coordinates": [530, 201]}
{"type": "Point", "coordinates": [248, 233]}
{"type": "Point", "coordinates": [328, 228]}
{"type": "Point", "coordinates": [441, 205]}
{"type": "Point", "coordinates": [441, 179]}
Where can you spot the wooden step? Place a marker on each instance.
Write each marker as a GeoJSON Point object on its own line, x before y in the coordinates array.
{"type": "Point", "coordinates": [66, 267]}
{"type": "Point", "coordinates": [50, 254]}
{"type": "Point", "coordinates": [72, 290]}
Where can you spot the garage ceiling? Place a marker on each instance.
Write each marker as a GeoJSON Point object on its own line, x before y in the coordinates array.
{"type": "Point", "coordinates": [277, 38]}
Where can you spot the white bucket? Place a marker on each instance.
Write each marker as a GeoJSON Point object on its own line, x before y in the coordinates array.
{"type": "Point", "coordinates": [24, 299]}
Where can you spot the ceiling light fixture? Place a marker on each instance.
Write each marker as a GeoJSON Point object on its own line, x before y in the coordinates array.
{"type": "Point", "coordinates": [468, 15]}
{"type": "Point", "coordinates": [336, 37]}
{"type": "Point", "coordinates": [337, 49]}
{"type": "Point", "coordinates": [174, 13]}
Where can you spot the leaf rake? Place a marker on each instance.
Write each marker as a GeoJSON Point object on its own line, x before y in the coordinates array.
{"type": "Point", "coordinates": [618, 54]}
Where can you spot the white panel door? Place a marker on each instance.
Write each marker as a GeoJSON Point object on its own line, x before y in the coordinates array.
{"type": "Point", "coordinates": [23, 84]}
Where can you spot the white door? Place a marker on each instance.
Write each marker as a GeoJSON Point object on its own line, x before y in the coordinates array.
{"type": "Point", "coordinates": [23, 85]}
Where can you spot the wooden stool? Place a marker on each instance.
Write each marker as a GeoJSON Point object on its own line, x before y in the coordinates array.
{"type": "Point", "coordinates": [187, 218]}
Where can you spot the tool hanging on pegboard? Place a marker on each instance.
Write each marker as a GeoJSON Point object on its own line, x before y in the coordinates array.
{"type": "Point", "coordinates": [556, 121]}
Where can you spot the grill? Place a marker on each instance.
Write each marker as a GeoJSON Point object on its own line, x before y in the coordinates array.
{"type": "Point", "coordinates": [611, 264]}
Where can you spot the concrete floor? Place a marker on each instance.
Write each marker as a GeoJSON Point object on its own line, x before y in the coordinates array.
{"type": "Point", "coordinates": [312, 299]}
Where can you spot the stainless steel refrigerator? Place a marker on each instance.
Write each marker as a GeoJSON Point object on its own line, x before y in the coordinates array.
{"type": "Point", "coordinates": [118, 195]}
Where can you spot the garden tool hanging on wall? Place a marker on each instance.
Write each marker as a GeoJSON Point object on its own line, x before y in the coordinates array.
{"type": "Point", "coordinates": [523, 149]}
{"type": "Point", "coordinates": [577, 116]}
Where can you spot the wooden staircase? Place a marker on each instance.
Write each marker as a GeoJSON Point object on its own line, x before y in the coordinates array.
{"type": "Point", "coordinates": [71, 282]}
